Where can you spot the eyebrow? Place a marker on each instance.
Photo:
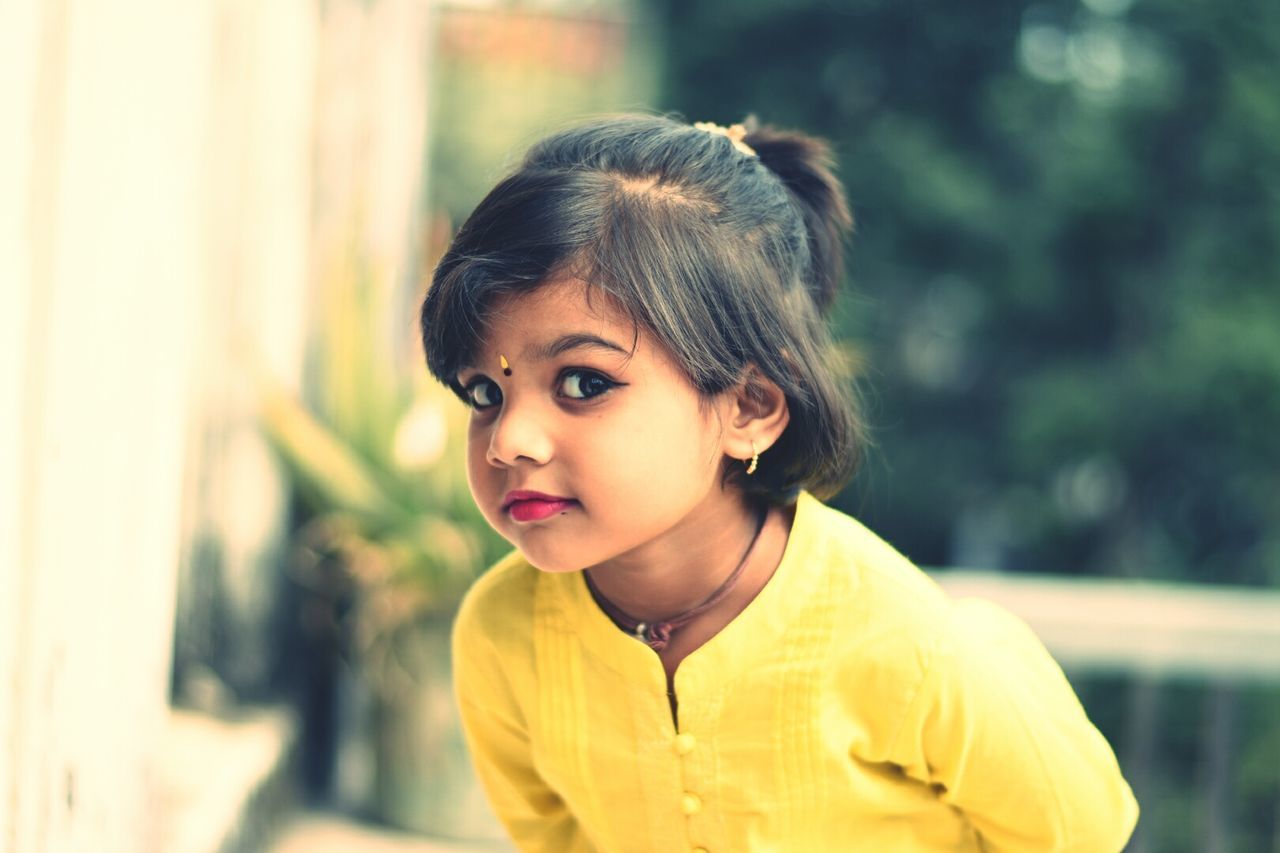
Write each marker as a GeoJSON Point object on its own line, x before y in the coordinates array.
{"type": "Point", "coordinates": [577, 340]}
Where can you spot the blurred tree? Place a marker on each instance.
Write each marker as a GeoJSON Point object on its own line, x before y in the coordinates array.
{"type": "Point", "coordinates": [1067, 276]}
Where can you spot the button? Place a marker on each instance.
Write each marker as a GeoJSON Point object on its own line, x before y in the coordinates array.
{"type": "Point", "coordinates": [684, 744]}
{"type": "Point", "coordinates": [691, 804]}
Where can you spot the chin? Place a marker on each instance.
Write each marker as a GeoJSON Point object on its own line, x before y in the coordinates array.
{"type": "Point", "coordinates": [554, 568]}
{"type": "Point", "coordinates": [551, 560]}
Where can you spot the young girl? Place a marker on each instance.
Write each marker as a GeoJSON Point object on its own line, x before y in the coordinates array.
{"type": "Point", "coordinates": [688, 651]}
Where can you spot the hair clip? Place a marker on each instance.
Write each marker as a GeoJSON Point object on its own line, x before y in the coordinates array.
{"type": "Point", "coordinates": [734, 132]}
{"type": "Point", "coordinates": [506, 366]}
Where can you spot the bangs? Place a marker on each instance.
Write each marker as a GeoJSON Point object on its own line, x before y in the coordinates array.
{"type": "Point", "coordinates": [652, 249]}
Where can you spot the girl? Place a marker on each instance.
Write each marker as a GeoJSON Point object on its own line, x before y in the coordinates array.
{"type": "Point", "coordinates": [688, 651]}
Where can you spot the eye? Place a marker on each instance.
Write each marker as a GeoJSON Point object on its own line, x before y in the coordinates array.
{"type": "Point", "coordinates": [483, 394]}
{"type": "Point", "coordinates": [584, 384]}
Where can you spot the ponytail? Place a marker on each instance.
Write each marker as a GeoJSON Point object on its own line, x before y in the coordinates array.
{"type": "Point", "coordinates": [805, 167]}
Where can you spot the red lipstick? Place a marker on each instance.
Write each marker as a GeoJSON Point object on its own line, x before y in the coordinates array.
{"type": "Point", "coordinates": [524, 505]}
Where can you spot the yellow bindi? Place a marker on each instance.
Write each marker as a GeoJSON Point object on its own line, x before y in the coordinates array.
{"type": "Point", "coordinates": [506, 366]}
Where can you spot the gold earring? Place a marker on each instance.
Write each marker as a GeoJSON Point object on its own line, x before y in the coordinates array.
{"type": "Point", "coordinates": [755, 460]}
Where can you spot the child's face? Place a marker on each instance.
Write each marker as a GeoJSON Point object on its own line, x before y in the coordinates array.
{"type": "Point", "coordinates": [619, 436]}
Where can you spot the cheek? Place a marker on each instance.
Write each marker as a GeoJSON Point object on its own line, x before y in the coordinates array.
{"type": "Point", "coordinates": [479, 471]}
{"type": "Point", "coordinates": [673, 447]}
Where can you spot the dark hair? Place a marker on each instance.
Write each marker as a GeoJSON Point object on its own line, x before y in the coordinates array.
{"type": "Point", "coordinates": [726, 259]}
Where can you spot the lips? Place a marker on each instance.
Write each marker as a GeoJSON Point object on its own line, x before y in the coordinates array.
{"type": "Point", "coordinates": [524, 505]}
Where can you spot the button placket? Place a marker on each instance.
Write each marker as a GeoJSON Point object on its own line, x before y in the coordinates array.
{"type": "Point", "coordinates": [692, 756]}
{"type": "Point", "coordinates": [691, 805]}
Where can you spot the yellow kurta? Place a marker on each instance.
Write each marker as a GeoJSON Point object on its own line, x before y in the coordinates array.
{"type": "Point", "coordinates": [851, 706]}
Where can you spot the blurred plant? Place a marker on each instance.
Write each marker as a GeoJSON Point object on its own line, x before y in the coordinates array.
{"type": "Point", "coordinates": [391, 522]}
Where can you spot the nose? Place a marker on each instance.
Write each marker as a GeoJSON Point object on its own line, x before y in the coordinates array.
{"type": "Point", "coordinates": [518, 434]}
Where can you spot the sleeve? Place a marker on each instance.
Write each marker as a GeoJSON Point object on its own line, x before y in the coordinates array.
{"type": "Point", "coordinates": [497, 737]}
{"type": "Point", "coordinates": [997, 729]}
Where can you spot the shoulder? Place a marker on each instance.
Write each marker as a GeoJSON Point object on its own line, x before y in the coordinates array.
{"type": "Point", "coordinates": [499, 603]}
{"type": "Point", "coordinates": [991, 655]}
{"type": "Point", "coordinates": [888, 620]}
{"type": "Point", "coordinates": [879, 591]}
{"type": "Point", "coordinates": [894, 609]}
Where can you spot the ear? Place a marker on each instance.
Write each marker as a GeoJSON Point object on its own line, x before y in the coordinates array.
{"type": "Point", "coordinates": [756, 411]}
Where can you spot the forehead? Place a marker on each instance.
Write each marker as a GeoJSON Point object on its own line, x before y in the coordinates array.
{"type": "Point", "coordinates": [557, 308]}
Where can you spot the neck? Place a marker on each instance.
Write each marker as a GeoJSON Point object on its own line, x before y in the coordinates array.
{"type": "Point", "coordinates": [680, 569]}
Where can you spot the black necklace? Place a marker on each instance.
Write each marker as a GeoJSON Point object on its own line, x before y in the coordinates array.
{"type": "Point", "coordinates": [658, 634]}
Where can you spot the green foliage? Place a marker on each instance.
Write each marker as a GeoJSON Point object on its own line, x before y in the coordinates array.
{"type": "Point", "coordinates": [379, 465]}
{"type": "Point", "coordinates": [1067, 272]}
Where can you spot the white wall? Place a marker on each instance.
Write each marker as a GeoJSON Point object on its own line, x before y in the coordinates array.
{"type": "Point", "coordinates": [154, 219]}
